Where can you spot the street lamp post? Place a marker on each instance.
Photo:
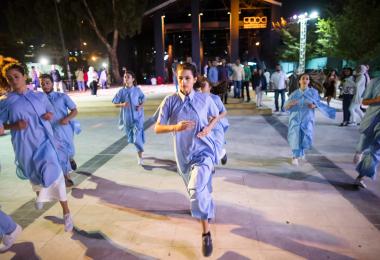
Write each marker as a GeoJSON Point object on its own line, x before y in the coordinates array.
{"type": "Point", "coordinates": [64, 50]}
{"type": "Point", "coordinates": [302, 19]}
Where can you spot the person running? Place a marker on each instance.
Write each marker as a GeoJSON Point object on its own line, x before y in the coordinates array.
{"type": "Point", "coordinates": [356, 101]}
{"type": "Point", "coordinates": [131, 100]}
{"type": "Point", "coordinates": [368, 149]}
{"type": "Point", "coordinates": [63, 125]}
{"type": "Point", "coordinates": [27, 114]}
{"type": "Point", "coordinates": [301, 104]}
{"type": "Point", "coordinates": [191, 116]}
{"type": "Point", "coordinates": [221, 127]}
{"type": "Point", "coordinates": [9, 231]}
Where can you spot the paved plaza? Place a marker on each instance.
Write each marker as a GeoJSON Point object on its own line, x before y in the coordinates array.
{"type": "Point", "coordinates": [265, 207]}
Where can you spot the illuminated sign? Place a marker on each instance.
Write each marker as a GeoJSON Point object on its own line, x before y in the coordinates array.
{"type": "Point", "coordinates": [255, 22]}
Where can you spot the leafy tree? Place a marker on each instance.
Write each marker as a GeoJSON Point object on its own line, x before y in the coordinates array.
{"type": "Point", "coordinates": [327, 38]}
{"type": "Point", "coordinates": [107, 20]}
{"type": "Point", "coordinates": [358, 31]}
{"type": "Point", "coordinates": [289, 48]}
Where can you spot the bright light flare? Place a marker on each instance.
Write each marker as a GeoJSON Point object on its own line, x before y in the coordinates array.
{"type": "Point", "coordinates": [44, 61]}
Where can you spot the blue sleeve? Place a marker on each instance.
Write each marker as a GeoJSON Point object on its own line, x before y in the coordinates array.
{"type": "Point", "coordinates": [47, 104]}
{"type": "Point", "coordinates": [141, 97]}
{"type": "Point", "coordinates": [4, 114]}
{"type": "Point", "coordinates": [118, 97]}
{"type": "Point", "coordinates": [69, 102]}
{"type": "Point", "coordinates": [219, 104]}
{"type": "Point", "coordinates": [164, 116]}
{"type": "Point", "coordinates": [212, 110]}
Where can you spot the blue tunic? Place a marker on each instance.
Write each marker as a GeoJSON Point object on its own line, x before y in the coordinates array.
{"type": "Point", "coordinates": [301, 119]}
{"type": "Point", "coordinates": [195, 156]}
{"type": "Point", "coordinates": [64, 134]}
{"type": "Point", "coordinates": [370, 133]}
{"type": "Point", "coordinates": [7, 225]}
{"type": "Point", "coordinates": [131, 119]}
{"type": "Point", "coordinates": [35, 153]}
{"type": "Point", "coordinates": [221, 127]}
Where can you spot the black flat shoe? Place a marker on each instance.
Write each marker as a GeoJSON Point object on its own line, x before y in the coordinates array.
{"type": "Point", "coordinates": [206, 245]}
{"type": "Point", "coordinates": [73, 164]}
{"type": "Point", "coordinates": [224, 159]}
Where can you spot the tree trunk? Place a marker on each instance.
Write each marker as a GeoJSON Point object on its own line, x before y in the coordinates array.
{"type": "Point", "coordinates": [115, 66]}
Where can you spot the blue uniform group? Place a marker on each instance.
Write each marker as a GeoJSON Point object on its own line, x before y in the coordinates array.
{"type": "Point", "coordinates": [195, 156]}
{"type": "Point", "coordinates": [64, 134]}
{"type": "Point", "coordinates": [370, 133]}
{"type": "Point", "coordinates": [35, 146]}
{"type": "Point", "coordinates": [132, 119]}
{"type": "Point", "coordinates": [301, 119]}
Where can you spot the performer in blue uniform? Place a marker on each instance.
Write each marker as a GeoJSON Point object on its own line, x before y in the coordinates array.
{"type": "Point", "coordinates": [301, 104]}
{"type": "Point", "coordinates": [221, 127]}
{"type": "Point", "coordinates": [369, 143]}
{"type": "Point", "coordinates": [186, 114]}
{"type": "Point", "coordinates": [131, 99]}
{"type": "Point", "coordinates": [63, 125]}
{"type": "Point", "coordinates": [27, 114]}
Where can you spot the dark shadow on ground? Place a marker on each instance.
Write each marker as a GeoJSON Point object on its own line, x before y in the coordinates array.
{"type": "Point", "coordinates": [365, 201]}
{"type": "Point", "coordinates": [295, 180]}
{"type": "Point", "coordinates": [168, 165]}
{"type": "Point", "coordinates": [23, 250]}
{"type": "Point", "coordinates": [164, 205]}
{"type": "Point", "coordinates": [99, 246]}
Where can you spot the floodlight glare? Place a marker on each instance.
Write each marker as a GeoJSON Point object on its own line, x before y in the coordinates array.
{"type": "Point", "coordinates": [44, 61]}
{"type": "Point", "coordinates": [314, 15]}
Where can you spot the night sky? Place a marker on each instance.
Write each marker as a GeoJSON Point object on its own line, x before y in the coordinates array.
{"type": "Point", "coordinates": [291, 7]}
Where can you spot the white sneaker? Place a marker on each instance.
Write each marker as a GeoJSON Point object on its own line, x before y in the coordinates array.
{"type": "Point", "coordinates": [140, 161]}
{"type": "Point", "coordinates": [295, 161]}
{"type": "Point", "coordinates": [69, 224]}
{"type": "Point", "coordinates": [38, 205]}
{"type": "Point", "coordinates": [359, 182]}
{"type": "Point", "coordinates": [357, 157]}
{"type": "Point", "coordinates": [9, 240]}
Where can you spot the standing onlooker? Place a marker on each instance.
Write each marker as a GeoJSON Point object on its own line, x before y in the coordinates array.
{"type": "Point", "coordinates": [92, 82]}
{"type": "Point", "coordinates": [330, 86]}
{"type": "Point", "coordinates": [259, 84]}
{"type": "Point", "coordinates": [56, 78]}
{"type": "Point", "coordinates": [247, 79]}
{"type": "Point", "coordinates": [174, 71]}
{"type": "Point", "coordinates": [213, 73]}
{"type": "Point", "coordinates": [34, 74]}
{"type": "Point", "coordinates": [356, 102]}
{"type": "Point", "coordinates": [103, 78]}
{"type": "Point", "coordinates": [267, 77]}
{"type": "Point", "coordinates": [237, 78]}
{"type": "Point", "coordinates": [348, 90]}
{"type": "Point", "coordinates": [223, 78]}
{"type": "Point", "coordinates": [278, 81]}
{"type": "Point", "coordinates": [79, 75]}
{"type": "Point", "coordinates": [85, 78]}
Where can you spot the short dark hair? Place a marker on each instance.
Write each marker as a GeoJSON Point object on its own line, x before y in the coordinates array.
{"type": "Point", "coordinates": [46, 76]}
{"type": "Point", "coordinates": [188, 66]}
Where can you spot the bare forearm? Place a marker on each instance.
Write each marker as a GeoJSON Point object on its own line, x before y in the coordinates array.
{"type": "Point", "coordinates": [73, 113]}
{"type": "Point", "coordinates": [162, 129]}
{"type": "Point", "coordinates": [371, 101]}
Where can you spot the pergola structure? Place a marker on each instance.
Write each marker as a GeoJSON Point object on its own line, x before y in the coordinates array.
{"type": "Point", "coordinates": [160, 10]}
